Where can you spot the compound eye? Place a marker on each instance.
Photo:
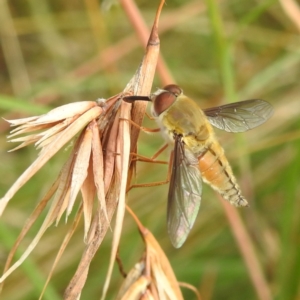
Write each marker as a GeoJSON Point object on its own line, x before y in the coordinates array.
{"type": "Point", "coordinates": [174, 89]}
{"type": "Point", "coordinates": [162, 102]}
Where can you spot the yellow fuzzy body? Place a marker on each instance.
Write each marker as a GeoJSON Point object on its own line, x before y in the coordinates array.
{"type": "Point", "coordinates": [184, 117]}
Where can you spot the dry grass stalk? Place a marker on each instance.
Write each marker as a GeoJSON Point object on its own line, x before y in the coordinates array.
{"type": "Point", "coordinates": [98, 166]}
{"type": "Point", "coordinates": [292, 10]}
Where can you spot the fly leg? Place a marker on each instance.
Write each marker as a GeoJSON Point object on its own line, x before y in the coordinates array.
{"type": "Point", "coordinates": [145, 129]}
{"type": "Point", "coordinates": [138, 157]}
{"type": "Point", "coordinates": [150, 184]}
{"type": "Point", "coordinates": [153, 158]}
{"type": "Point", "coordinates": [150, 117]}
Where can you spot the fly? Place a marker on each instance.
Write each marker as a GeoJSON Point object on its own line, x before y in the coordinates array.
{"type": "Point", "coordinates": [197, 155]}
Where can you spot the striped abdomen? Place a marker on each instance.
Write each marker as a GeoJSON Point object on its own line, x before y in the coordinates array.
{"type": "Point", "coordinates": [216, 171]}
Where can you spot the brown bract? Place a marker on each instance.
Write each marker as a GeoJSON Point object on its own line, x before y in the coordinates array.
{"type": "Point", "coordinates": [152, 277]}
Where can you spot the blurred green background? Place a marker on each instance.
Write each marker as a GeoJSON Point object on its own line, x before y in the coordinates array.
{"type": "Point", "coordinates": [57, 52]}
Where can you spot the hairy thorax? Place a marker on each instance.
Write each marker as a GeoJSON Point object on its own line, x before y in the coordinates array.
{"type": "Point", "coordinates": [185, 118]}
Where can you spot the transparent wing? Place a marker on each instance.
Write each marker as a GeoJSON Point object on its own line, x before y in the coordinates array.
{"type": "Point", "coordinates": [239, 116]}
{"type": "Point", "coordinates": [184, 194]}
